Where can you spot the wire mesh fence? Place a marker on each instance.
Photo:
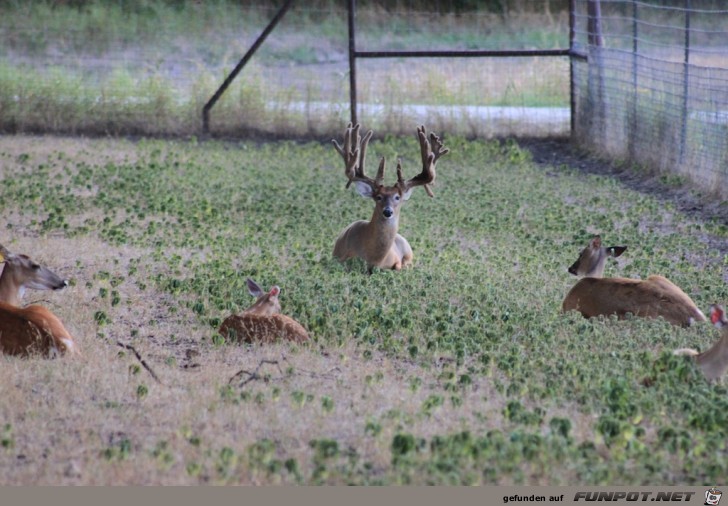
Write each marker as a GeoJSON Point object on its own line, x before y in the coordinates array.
{"type": "Point", "coordinates": [147, 68]}
{"type": "Point", "coordinates": [655, 88]}
{"type": "Point", "coordinates": [651, 86]}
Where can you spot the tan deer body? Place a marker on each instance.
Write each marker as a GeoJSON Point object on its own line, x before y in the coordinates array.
{"type": "Point", "coordinates": [714, 361]}
{"type": "Point", "coordinates": [262, 322]}
{"type": "Point", "coordinates": [377, 241]}
{"type": "Point", "coordinates": [653, 297]}
{"type": "Point", "coordinates": [33, 329]}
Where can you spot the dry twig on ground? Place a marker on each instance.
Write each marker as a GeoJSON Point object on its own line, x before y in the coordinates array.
{"type": "Point", "coordinates": [141, 360]}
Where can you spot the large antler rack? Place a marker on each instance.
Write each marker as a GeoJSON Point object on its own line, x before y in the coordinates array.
{"type": "Point", "coordinates": [431, 150]}
{"type": "Point", "coordinates": [354, 153]}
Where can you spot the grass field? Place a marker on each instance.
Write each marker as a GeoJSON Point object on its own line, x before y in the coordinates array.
{"type": "Point", "coordinates": [459, 370]}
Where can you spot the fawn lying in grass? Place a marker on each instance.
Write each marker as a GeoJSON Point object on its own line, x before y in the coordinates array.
{"type": "Point", "coordinates": [263, 322]}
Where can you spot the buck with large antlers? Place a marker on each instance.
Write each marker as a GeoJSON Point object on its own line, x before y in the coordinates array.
{"type": "Point", "coordinates": [653, 297]}
{"type": "Point", "coordinates": [376, 241]}
{"type": "Point", "coordinates": [263, 322]}
{"type": "Point", "coordinates": [713, 362]}
{"type": "Point", "coordinates": [33, 329]}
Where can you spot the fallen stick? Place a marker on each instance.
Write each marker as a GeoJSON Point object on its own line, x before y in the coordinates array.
{"type": "Point", "coordinates": [254, 375]}
{"type": "Point", "coordinates": [139, 357]}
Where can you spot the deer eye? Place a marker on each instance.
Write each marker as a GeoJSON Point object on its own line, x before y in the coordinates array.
{"type": "Point", "coordinates": [379, 198]}
{"type": "Point", "coordinates": [396, 197]}
{"type": "Point", "coordinates": [35, 267]}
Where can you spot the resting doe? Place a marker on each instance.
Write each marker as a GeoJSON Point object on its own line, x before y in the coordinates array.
{"type": "Point", "coordinates": [653, 297]}
{"type": "Point", "coordinates": [714, 361]}
{"type": "Point", "coordinates": [33, 329]}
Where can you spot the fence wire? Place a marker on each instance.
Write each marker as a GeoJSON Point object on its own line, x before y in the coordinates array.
{"type": "Point", "coordinates": [655, 88]}
{"type": "Point", "coordinates": [99, 68]}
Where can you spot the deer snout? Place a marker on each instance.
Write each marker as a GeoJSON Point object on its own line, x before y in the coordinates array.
{"type": "Point", "coordinates": [572, 269]}
{"type": "Point", "coordinates": [388, 212]}
{"type": "Point", "coordinates": [61, 285]}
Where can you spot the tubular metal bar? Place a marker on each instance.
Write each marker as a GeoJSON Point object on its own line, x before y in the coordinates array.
{"type": "Point", "coordinates": [635, 46]}
{"type": "Point", "coordinates": [352, 60]}
{"type": "Point", "coordinates": [229, 79]}
{"type": "Point", "coordinates": [579, 55]}
{"type": "Point", "coordinates": [461, 54]}
{"type": "Point", "coordinates": [572, 38]}
{"type": "Point", "coordinates": [686, 81]}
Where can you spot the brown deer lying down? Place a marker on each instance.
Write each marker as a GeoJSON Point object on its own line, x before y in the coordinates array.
{"type": "Point", "coordinates": [713, 362]}
{"type": "Point", "coordinates": [376, 241]}
{"type": "Point", "coordinates": [34, 329]}
{"type": "Point", "coordinates": [655, 296]}
{"type": "Point", "coordinates": [262, 322]}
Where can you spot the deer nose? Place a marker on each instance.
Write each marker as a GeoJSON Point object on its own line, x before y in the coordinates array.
{"type": "Point", "coordinates": [387, 212]}
{"type": "Point", "coordinates": [572, 270]}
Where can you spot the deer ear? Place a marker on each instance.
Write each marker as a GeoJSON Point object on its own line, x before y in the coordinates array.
{"type": "Point", "coordinates": [406, 195]}
{"type": "Point", "coordinates": [615, 251]}
{"type": "Point", "coordinates": [274, 291]}
{"type": "Point", "coordinates": [254, 289]}
{"type": "Point", "coordinates": [596, 242]}
{"type": "Point", "coordinates": [364, 189]}
{"type": "Point", "coordinates": [717, 315]}
{"type": "Point", "coordinates": [4, 253]}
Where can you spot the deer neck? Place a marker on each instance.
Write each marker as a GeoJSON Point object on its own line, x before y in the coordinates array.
{"type": "Point", "coordinates": [716, 358]}
{"type": "Point", "coordinates": [381, 231]}
{"type": "Point", "coordinates": [597, 271]}
{"type": "Point", "coordinates": [722, 345]}
{"type": "Point", "coordinates": [10, 292]}
{"type": "Point", "coordinates": [262, 308]}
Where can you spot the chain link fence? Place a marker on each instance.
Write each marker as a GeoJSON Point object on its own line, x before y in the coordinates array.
{"type": "Point", "coordinates": [655, 88]}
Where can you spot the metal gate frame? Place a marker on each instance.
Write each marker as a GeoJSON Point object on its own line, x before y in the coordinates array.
{"type": "Point", "coordinates": [354, 55]}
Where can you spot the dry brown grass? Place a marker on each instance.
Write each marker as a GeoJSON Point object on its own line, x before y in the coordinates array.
{"type": "Point", "coordinates": [64, 414]}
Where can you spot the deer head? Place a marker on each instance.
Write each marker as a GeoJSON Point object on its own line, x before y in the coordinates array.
{"type": "Point", "coordinates": [387, 199]}
{"type": "Point", "coordinates": [21, 273]}
{"type": "Point", "coordinates": [593, 258]}
{"type": "Point", "coordinates": [267, 303]}
{"type": "Point", "coordinates": [718, 318]}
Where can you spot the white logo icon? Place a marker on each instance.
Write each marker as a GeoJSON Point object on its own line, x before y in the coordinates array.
{"type": "Point", "coordinates": [712, 496]}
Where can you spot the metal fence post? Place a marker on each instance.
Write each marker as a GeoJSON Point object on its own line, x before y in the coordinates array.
{"type": "Point", "coordinates": [352, 60]}
{"type": "Point", "coordinates": [572, 95]}
{"type": "Point", "coordinates": [633, 120]}
{"type": "Point", "coordinates": [595, 39]}
{"type": "Point", "coordinates": [686, 79]}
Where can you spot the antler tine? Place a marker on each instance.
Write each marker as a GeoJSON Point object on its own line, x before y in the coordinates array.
{"type": "Point", "coordinates": [379, 180]}
{"type": "Point", "coordinates": [400, 177]}
{"type": "Point", "coordinates": [351, 158]}
{"type": "Point", "coordinates": [424, 144]}
{"type": "Point", "coordinates": [429, 159]}
{"type": "Point", "coordinates": [354, 154]}
{"type": "Point", "coordinates": [437, 146]}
